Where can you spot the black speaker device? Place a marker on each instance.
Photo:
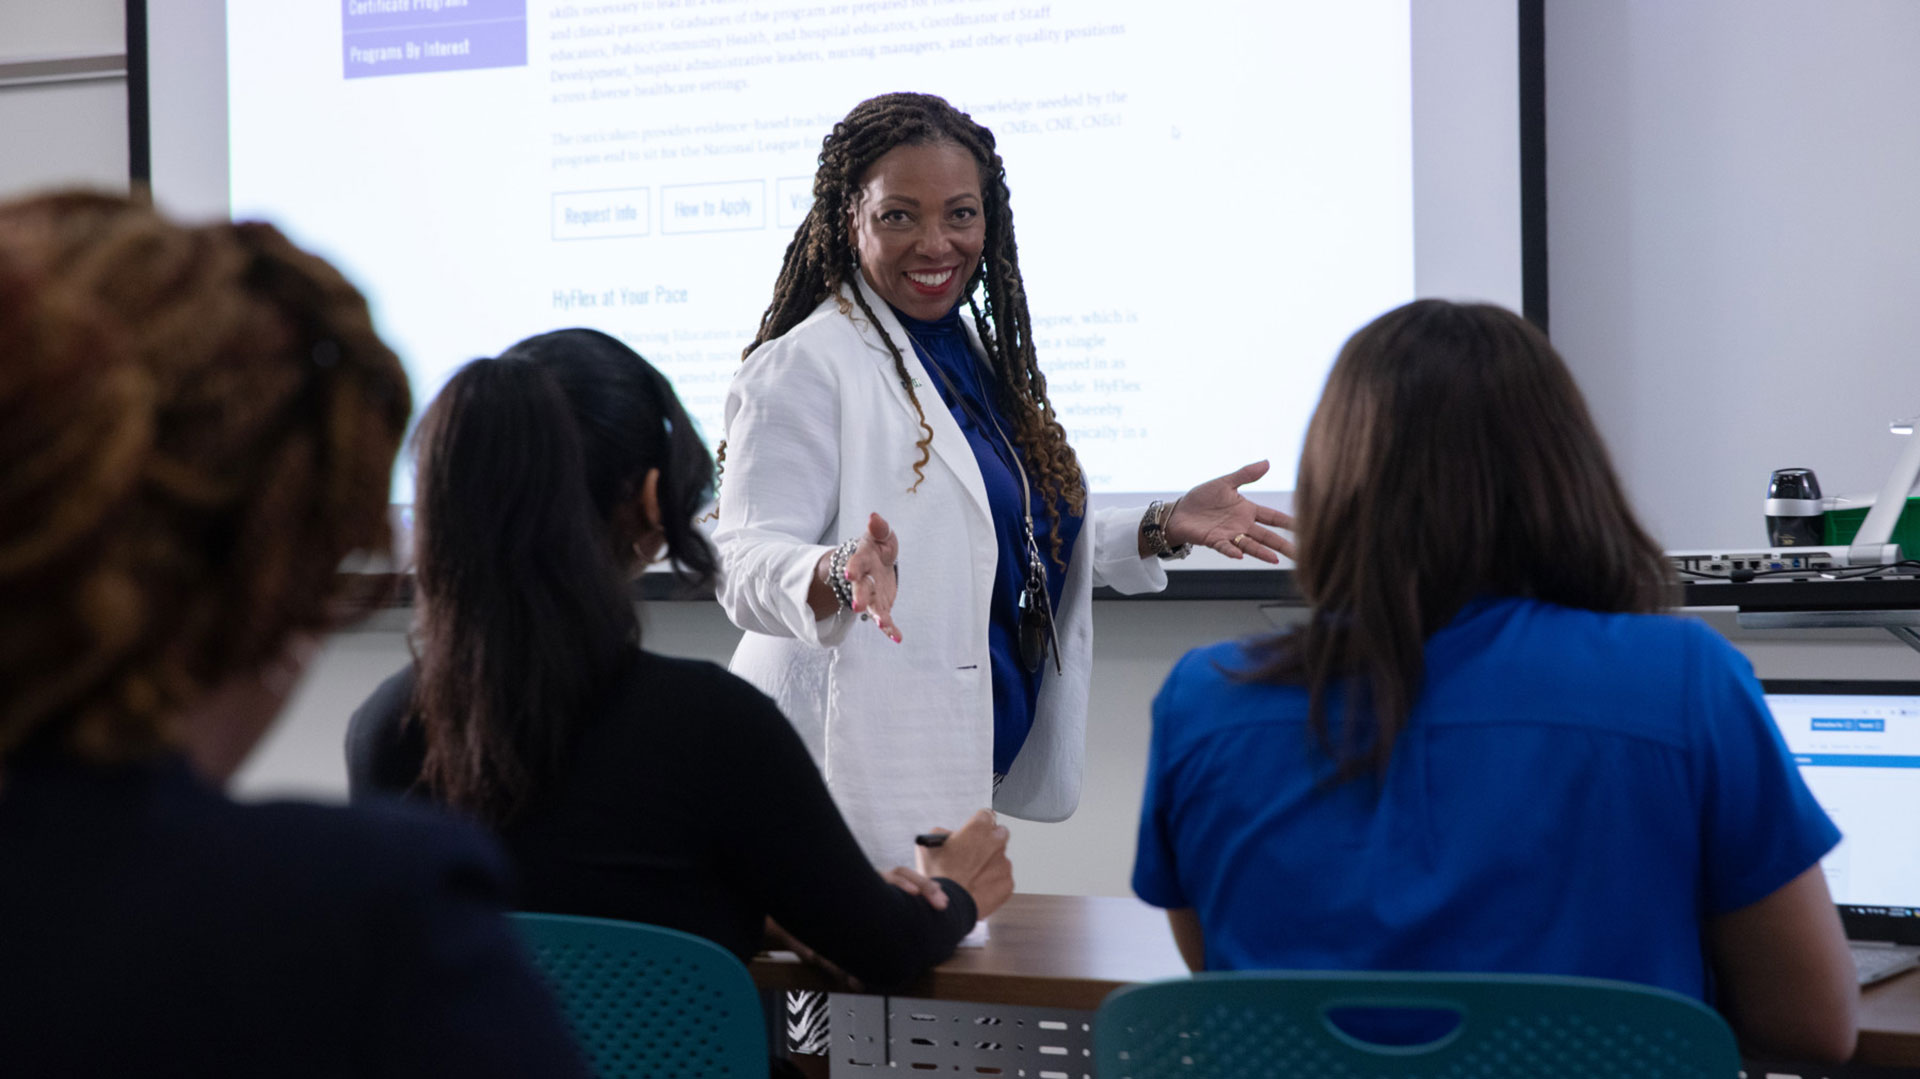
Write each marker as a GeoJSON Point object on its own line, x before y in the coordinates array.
{"type": "Point", "coordinates": [1794, 516]}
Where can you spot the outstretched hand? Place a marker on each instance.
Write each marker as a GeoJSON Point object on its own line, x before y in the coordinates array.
{"type": "Point", "coordinates": [871, 572]}
{"type": "Point", "coordinates": [1215, 514]}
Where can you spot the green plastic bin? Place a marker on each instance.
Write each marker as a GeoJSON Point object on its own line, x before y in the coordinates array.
{"type": "Point", "coordinates": [1842, 525]}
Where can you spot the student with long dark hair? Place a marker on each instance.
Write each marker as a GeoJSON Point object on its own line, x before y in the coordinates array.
{"type": "Point", "coordinates": [626, 784]}
{"type": "Point", "coordinates": [1484, 749]}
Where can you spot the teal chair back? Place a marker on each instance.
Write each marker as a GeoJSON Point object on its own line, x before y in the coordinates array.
{"type": "Point", "coordinates": [1275, 1025]}
{"type": "Point", "coordinates": [648, 1001]}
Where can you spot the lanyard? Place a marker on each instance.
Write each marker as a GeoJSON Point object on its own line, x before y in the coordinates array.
{"type": "Point", "coordinates": [1036, 577]}
{"type": "Point", "coordinates": [1014, 461]}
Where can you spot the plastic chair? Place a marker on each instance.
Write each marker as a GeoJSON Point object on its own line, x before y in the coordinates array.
{"type": "Point", "coordinates": [647, 1001]}
{"type": "Point", "coordinates": [1274, 1025]}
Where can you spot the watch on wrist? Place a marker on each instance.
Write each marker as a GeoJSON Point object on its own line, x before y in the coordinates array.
{"type": "Point", "coordinates": [1153, 533]}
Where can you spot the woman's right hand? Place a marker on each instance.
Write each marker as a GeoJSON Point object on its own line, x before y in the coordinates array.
{"type": "Point", "coordinates": [975, 858]}
{"type": "Point", "coordinates": [870, 572]}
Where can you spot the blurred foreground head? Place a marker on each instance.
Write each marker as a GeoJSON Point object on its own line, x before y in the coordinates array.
{"type": "Point", "coordinates": [197, 425]}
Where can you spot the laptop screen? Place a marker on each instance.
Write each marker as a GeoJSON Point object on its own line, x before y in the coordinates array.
{"type": "Point", "coordinates": [1858, 748]}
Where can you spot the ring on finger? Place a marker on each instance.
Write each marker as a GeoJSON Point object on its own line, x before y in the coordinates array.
{"type": "Point", "coordinates": [1239, 539]}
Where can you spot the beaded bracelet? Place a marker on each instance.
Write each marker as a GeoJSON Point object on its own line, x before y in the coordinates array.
{"type": "Point", "coordinates": [837, 572]}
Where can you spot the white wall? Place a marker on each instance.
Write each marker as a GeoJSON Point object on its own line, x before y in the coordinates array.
{"type": "Point", "coordinates": [1734, 220]}
{"type": "Point", "coordinates": [32, 29]}
{"type": "Point", "coordinates": [62, 133]}
{"type": "Point", "coordinates": [1735, 261]}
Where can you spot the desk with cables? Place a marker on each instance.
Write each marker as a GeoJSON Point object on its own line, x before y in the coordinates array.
{"type": "Point", "coordinates": [1882, 601]}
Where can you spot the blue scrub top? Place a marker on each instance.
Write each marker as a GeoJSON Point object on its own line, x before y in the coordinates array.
{"type": "Point", "coordinates": [944, 344]}
{"type": "Point", "coordinates": [1574, 793]}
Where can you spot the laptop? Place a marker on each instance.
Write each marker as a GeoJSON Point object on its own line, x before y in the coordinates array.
{"type": "Point", "coordinates": [1858, 748]}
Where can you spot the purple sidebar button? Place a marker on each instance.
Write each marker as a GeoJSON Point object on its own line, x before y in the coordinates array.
{"type": "Point", "coordinates": [404, 37]}
{"type": "Point", "coordinates": [387, 14]}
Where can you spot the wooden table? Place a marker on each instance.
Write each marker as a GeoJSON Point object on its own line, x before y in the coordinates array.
{"type": "Point", "coordinates": [1069, 952]}
{"type": "Point", "coordinates": [1049, 951]}
{"type": "Point", "coordinates": [1890, 1023]}
{"type": "Point", "coordinates": [1022, 1004]}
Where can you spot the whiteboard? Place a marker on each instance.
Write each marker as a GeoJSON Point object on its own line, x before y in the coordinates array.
{"type": "Point", "coordinates": [1209, 198]}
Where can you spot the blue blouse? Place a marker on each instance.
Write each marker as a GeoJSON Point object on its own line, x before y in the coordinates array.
{"type": "Point", "coordinates": [1574, 792]}
{"type": "Point", "coordinates": [943, 346]}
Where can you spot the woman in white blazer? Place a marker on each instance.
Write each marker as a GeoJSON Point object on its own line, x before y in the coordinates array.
{"type": "Point", "coordinates": [850, 493]}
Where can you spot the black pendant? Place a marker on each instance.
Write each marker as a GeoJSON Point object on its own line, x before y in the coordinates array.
{"type": "Point", "coordinates": [1035, 625]}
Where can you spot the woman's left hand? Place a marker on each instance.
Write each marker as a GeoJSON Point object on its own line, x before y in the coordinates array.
{"type": "Point", "coordinates": [914, 882]}
{"type": "Point", "coordinates": [1215, 514]}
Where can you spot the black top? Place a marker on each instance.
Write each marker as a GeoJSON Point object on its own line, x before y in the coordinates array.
{"type": "Point", "coordinates": [150, 926]}
{"type": "Point", "coordinates": [690, 803]}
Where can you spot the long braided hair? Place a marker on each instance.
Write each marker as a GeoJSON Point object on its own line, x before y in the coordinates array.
{"type": "Point", "coordinates": [196, 426]}
{"type": "Point", "coordinates": [821, 259]}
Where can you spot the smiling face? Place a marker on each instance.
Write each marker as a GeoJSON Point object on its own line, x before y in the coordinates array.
{"type": "Point", "coordinates": [919, 224]}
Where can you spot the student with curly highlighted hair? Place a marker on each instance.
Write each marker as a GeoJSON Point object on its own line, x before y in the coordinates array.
{"type": "Point", "coordinates": [891, 455]}
{"type": "Point", "coordinates": [197, 426]}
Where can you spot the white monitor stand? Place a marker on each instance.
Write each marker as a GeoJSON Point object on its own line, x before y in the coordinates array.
{"type": "Point", "coordinates": [1871, 543]}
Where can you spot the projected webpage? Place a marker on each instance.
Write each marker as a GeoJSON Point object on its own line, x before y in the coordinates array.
{"type": "Point", "coordinates": [1208, 198]}
{"type": "Point", "coordinates": [1860, 755]}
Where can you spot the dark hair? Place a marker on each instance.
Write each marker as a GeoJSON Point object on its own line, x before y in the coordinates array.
{"type": "Point", "coordinates": [528, 465]}
{"type": "Point", "coordinates": [197, 425]}
{"type": "Point", "coordinates": [821, 259]}
{"type": "Point", "coordinates": [1451, 456]}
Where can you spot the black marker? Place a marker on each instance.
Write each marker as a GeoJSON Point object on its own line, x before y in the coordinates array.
{"type": "Point", "coordinates": [931, 839]}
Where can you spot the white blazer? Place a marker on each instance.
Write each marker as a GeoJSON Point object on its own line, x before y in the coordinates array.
{"type": "Point", "coordinates": [820, 432]}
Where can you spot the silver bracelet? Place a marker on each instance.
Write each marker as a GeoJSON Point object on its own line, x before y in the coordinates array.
{"type": "Point", "coordinates": [837, 572]}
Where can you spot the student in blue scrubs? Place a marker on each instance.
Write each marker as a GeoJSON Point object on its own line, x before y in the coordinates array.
{"type": "Point", "coordinates": [1484, 749]}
